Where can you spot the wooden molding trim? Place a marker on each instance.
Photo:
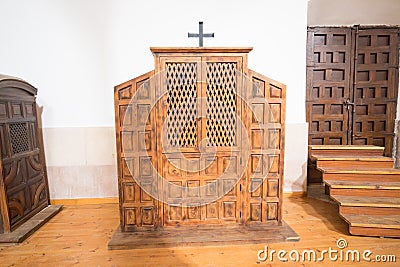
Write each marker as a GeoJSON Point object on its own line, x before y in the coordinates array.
{"type": "Point", "coordinates": [84, 201]}
{"type": "Point", "coordinates": [201, 49]}
{"type": "Point", "coordinates": [295, 194]}
{"type": "Point", "coordinates": [345, 147]}
{"type": "Point", "coordinates": [114, 200]}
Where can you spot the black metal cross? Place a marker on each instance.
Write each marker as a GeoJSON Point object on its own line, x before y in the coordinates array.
{"type": "Point", "coordinates": [200, 35]}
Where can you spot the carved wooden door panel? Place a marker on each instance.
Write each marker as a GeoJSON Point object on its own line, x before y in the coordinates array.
{"type": "Point", "coordinates": [23, 176]}
{"type": "Point", "coordinates": [200, 153]}
{"type": "Point", "coordinates": [352, 84]}
{"type": "Point", "coordinates": [136, 148]}
{"type": "Point", "coordinates": [375, 92]}
{"type": "Point", "coordinates": [328, 85]}
{"type": "Point", "coordinates": [180, 137]}
{"type": "Point", "coordinates": [221, 127]}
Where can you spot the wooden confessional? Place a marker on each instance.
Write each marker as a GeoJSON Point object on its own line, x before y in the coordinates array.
{"type": "Point", "coordinates": [185, 122]}
{"type": "Point", "coordinates": [23, 181]}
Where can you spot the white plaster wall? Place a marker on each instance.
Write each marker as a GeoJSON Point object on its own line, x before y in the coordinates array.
{"type": "Point", "coordinates": [75, 51]}
{"type": "Point", "coordinates": [351, 12]}
{"type": "Point", "coordinates": [59, 47]}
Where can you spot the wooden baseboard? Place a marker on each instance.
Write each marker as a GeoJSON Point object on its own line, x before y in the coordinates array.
{"type": "Point", "coordinates": [114, 200]}
{"type": "Point", "coordinates": [295, 194]}
{"type": "Point", "coordinates": [84, 201]}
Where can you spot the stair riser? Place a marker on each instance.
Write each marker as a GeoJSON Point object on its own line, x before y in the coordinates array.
{"type": "Point", "coordinates": [368, 210]}
{"type": "Point", "coordinates": [364, 192]}
{"type": "Point", "coordinates": [361, 177]}
{"type": "Point", "coordinates": [372, 231]}
{"type": "Point", "coordinates": [347, 152]}
{"type": "Point", "coordinates": [354, 163]}
{"type": "Point", "coordinates": [314, 176]}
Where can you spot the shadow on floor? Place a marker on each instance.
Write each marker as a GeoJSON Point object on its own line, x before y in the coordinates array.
{"type": "Point", "coordinates": [319, 207]}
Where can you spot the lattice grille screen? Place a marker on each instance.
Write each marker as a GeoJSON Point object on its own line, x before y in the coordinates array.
{"type": "Point", "coordinates": [181, 100]}
{"type": "Point", "coordinates": [221, 104]}
{"type": "Point", "coordinates": [19, 137]}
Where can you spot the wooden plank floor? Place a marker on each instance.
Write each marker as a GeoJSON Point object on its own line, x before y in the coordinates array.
{"type": "Point", "coordinates": [78, 235]}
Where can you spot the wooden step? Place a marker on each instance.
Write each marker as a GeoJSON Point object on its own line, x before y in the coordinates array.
{"type": "Point", "coordinates": [360, 174]}
{"type": "Point", "coordinates": [314, 176]}
{"type": "Point", "coordinates": [367, 225]}
{"type": "Point", "coordinates": [351, 161]}
{"type": "Point", "coordinates": [362, 205]}
{"type": "Point", "coordinates": [348, 150]}
{"type": "Point", "coordinates": [363, 188]}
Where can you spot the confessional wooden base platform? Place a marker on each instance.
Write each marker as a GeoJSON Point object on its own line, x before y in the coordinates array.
{"type": "Point", "coordinates": [30, 226]}
{"type": "Point", "coordinates": [202, 235]}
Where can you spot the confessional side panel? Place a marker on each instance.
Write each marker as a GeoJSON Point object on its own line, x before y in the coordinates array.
{"type": "Point", "coordinates": [136, 146]}
{"type": "Point", "coordinates": [266, 132]}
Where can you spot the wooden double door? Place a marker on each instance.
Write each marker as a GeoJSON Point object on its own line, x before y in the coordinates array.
{"type": "Point", "coordinates": [352, 85]}
{"type": "Point", "coordinates": [201, 140]}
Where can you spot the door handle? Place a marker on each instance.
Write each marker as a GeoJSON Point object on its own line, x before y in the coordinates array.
{"type": "Point", "coordinates": [347, 103]}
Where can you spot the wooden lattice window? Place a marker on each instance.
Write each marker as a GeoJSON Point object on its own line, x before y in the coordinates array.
{"type": "Point", "coordinates": [19, 137]}
{"type": "Point", "coordinates": [221, 103]}
{"type": "Point", "coordinates": [182, 102]}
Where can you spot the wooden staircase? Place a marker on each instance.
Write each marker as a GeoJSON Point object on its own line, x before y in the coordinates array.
{"type": "Point", "coordinates": [365, 185]}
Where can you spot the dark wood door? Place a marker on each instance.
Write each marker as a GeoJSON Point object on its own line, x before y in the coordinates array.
{"type": "Point", "coordinates": [375, 88]}
{"type": "Point", "coordinates": [328, 85]}
{"type": "Point", "coordinates": [352, 83]}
